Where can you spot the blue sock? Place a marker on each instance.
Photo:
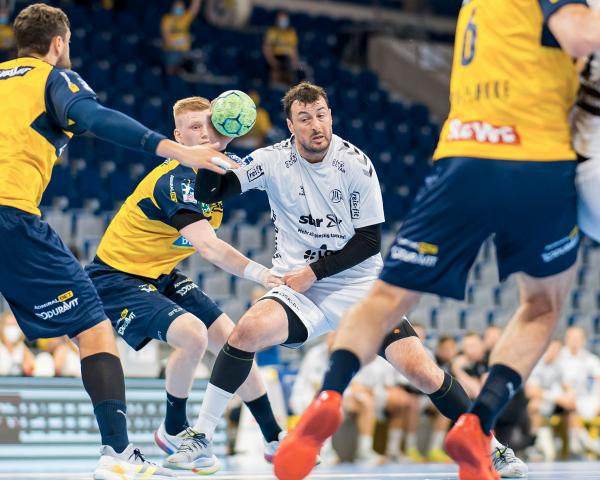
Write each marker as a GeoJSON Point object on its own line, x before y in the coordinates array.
{"type": "Point", "coordinates": [111, 416]}
{"type": "Point", "coordinates": [343, 365]}
{"type": "Point", "coordinates": [262, 412]}
{"type": "Point", "coordinates": [176, 417]}
{"type": "Point", "coordinates": [499, 388]}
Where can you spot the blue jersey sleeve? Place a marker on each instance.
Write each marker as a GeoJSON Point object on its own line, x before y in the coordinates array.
{"type": "Point", "coordinates": [174, 193]}
{"type": "Point", "coordinates": [550, 7]}
{"type": "Point", "coordinates": [63, 89]}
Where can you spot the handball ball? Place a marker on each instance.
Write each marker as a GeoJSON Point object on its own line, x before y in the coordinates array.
{"type": "Point", "coordinates": [233, 113]}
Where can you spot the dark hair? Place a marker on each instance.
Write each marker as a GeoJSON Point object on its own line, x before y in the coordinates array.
{"type": "Point", "coordinates": [305, 93]}
{"type": "Point", "coordinates": [36, 26]}
{"type": "Point", "coordinates": [446, 338]}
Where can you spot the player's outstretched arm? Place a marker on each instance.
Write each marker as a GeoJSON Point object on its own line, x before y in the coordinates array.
{"type": "Point", "coordinates": [116, 127]}
{"type": "Point", "coordinates": [202, 236]}
{"type": "Point", "coordinates": [577, 29]}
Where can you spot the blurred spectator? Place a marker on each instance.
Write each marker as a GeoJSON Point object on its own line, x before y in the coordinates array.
{"type": "Point", "coordinates": [176, 36]}
{"type": "Point", "coordinates": [359, 401]}
{"type": "Point", "coordinates": [15, 357]}
{"type": "Point", "coordinates": [445, 352]}
{"type": "Point", "coordinates": [547, 397]}
{"type": "Point", "coordinates": [470, 367]}
{"type": "Point", "coordinates": [257, 137]}
{"type": "Point", "coordinates": [280, 47]}
{"type": "Point", "coordinates": [491, 335]}
{"type": "Point", "coordinates": [580, 374]}
{"type": "Point", "coordinates": [66, 359]}
{"type": "Point", "coordinates": [6, 34]}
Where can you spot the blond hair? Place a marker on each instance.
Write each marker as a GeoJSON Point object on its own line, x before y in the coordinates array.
{"type": "Point", "coordinates": [190, 104]}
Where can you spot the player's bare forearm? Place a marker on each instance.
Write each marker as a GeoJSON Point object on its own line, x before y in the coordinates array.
{"type": "Point", "coordinates": [577, 29]}
{"type": "Point", "coordinates": [200, 156]}
{"type": "Point", "coordinates": [226, 257]}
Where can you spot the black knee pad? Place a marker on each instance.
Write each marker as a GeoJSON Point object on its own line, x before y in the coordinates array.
{"type": "Point", "coordinates": [403, 330]}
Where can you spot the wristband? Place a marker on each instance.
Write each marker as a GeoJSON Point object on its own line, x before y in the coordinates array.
{"type": "Point", "coordinates": [255, 272]}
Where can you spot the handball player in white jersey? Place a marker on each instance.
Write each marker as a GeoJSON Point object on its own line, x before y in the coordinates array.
{"type": "Point", "coordinates": [327, 212]}
{"type": "Point", "coordinates": [585, 120]}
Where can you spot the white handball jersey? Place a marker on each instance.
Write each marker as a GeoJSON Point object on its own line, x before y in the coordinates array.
{"type": "Point", "coordinates": [316, 207]}
{"type": "Point", "coordinates": [585, 118]}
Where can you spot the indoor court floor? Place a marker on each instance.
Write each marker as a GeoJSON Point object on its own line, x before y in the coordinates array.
{"type": "Point", "coordinates": [243, 469]}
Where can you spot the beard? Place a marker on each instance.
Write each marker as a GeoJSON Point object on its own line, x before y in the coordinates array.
{"type": "Point", "coordinates": [309, 148]}
{"type": "Point", "coordinates": [64, 61]}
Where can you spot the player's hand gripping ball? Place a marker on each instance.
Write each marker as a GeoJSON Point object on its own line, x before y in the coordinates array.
{"type": "Point", "coordinates": [233, 113]}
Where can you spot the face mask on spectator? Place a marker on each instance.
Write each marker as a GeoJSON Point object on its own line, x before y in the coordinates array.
{"type": "Point", "coordinates": [178, 11]}
{"type": "Point", "coordinates": [12, 334]}
{"type": "Point", "coordinates": [283, 22]}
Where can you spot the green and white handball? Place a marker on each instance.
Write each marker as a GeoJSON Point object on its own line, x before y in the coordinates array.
{"type": "Point", "coordinates": [233, 113]}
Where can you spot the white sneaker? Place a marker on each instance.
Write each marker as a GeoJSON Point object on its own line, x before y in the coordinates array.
{"type": "Point", "coordinates": [168, 443]}
{"type": "Point", "coordinates": [195, 454]}
{"type": "Point", "coordinates": [271, 447]}
{"type": "Point", "coordinates": [507, 464]}
{"type": "Point", "coordinates": [128, 465]}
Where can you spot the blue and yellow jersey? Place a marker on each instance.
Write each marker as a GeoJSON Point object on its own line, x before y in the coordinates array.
{"type": "Point", "coordinates": [512, 85]}
{"type": "Point", "coordinates": [35, 98]}
{"type": "Point", "coordinates": [141, 239]}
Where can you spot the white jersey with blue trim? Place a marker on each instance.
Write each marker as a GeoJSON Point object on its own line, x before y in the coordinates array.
{"type": "Point", "coordinates": [316, 207]}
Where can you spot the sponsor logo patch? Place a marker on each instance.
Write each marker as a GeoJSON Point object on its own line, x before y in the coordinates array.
{"type": "Point", "coordinates": [482, 132]}
{"type": "Point", "coordinates": [255, 173]}
{"type": "Point", "coordinates": [14, 72]}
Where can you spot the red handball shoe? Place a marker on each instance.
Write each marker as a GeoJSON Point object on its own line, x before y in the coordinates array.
{"type": "Point", "coordinates": [297, 454]}
{"type": "Point", "coordinates": [470, 447]}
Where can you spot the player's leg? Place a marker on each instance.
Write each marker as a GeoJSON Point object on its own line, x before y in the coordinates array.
{"type": "Point", "coordinates": [282, 317]}
{"type": "Point", "coordinates": [140, 312]}
{"type": "Point", "coordinates": [542, 242]}
{"type": "Point", "coordinates": [63, 301]}
{"type": "Point", "coordinates": [264, 325]}
{"type": "Point", "coordinates": [434, 249]}
{"type": "Point", "coordinates": [405, 351]}
{"type": "Point", "coordinates": [252, 391]}
{"type": "Point", "coordinates": [188, 337]}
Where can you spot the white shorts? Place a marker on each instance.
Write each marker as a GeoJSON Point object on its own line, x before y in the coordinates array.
{"type": "Point", "coordinates": [322, 306]}
{"type": "Point", "coordinates": [588, 204]}
{"type": "Point", "coordinates": [588, 406]}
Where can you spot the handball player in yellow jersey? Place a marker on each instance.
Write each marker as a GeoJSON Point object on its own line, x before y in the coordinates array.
{"type": "Point", "coordinates": [146, 297]}
{"type": "Point", "coordinates": [42, 105]}
{"type": "Point", "coordinates": [505, 167]}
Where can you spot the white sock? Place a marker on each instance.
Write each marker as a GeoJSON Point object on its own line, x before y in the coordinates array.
{"type": "Point", "coordinates": [496, 444]}
{"type": "Point", "coordinates": [365, 444]}
{"type": "Point", "coordinates": [437, 440]}
{"type": "Point", "coordinates": [214, 404]}
{"type": "Point", "coordinates": [575, 441]}
{"type": "Point", "coordinates": [394, 440]}
{"type": "Point", "coordinates": [411, 440]}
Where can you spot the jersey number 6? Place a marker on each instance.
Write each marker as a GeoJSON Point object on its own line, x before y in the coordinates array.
{"type": "Point", "coordinates": [469, 39]}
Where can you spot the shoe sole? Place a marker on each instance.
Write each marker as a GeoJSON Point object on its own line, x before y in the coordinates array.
{"type": "Point", "coordinates": [469, 466]}
{"type": "Point", "coordinates": [299, 452]}
{"type": "Point", "coordinates": [108, 475]}
{"type": "Point", "coordinates": [190, 467]}
{"type": "Point", "coordinates": [163, 445]}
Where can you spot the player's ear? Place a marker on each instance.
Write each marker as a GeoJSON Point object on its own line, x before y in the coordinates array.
{"type": "Point", "coordinates": [177, 135]}
{"type": "Point", "coordinates": [290, 126]}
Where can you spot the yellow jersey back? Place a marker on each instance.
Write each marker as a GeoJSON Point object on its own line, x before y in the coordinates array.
{"type": "Point", "coordinates": [34, 101]}
{"type": "Point", "coordinates": [512, 86]}
{"type": "Point", "coordinates": [142, 239]}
